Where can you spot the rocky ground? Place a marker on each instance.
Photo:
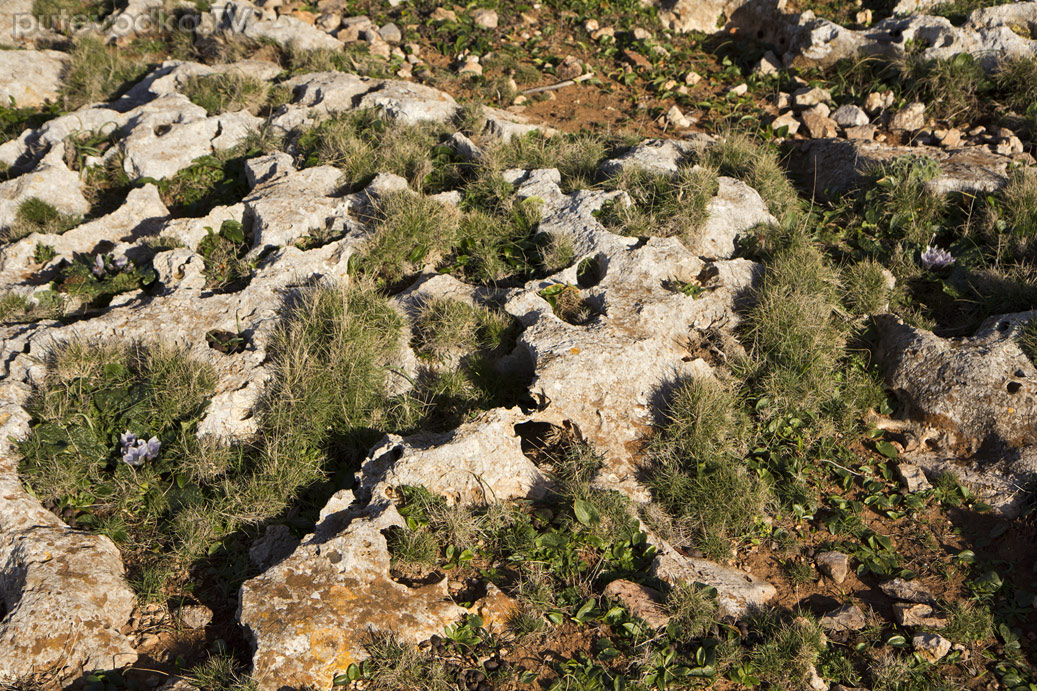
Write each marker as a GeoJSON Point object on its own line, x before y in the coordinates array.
{"type": "Point", "coordinates": [585, 344]}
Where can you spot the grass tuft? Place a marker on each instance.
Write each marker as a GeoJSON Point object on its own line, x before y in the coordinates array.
{"type": "Point", "coordinates": [97, 72]}
{"type": "Point", "coordinates": [228, 92]}
{"type": "Point", "coordinates": [662, 206]}
{"type": "Point", "coordinates": [410, 230]}
{"type": "Point", "coordinates": [37, 216]}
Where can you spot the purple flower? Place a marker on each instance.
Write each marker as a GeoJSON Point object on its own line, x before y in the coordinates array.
{"type": "Point", "coordinates": [98, 267]}
{"type": "Point", "coordinates": [135, 451]}
{"type": "Point", "coordinates": [935, 258]}
{"type": "Point", "coordinates": [120, 263]}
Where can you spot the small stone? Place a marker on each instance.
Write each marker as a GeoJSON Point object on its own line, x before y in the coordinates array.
{"type": "Point", "coordinates": [195, 616]}
{"type": "Point", "coordinates": [850, 116]}
{"type": "Point", "coordinates": [910, 118]}
{"type": "Point", "coordinates": [907, 591]}
{"type": "Point", "coordinates": [569, 68]}
{"type": "Point", "coordinates": [677, 119]}
{"type": "Point", "coordinates": [769, 64]}
{"type": "Point", "coordinates": [877, 101]}
{"type": "Point", "coordinates": [931, 646]}
{"type": "Point", "coordinates": [639, 600]}
{"type": "Point", "coordinates": [329, 21]}
{"type": "Point", "coordinates": [835, 565]}
{"type": "Point", "coordinates": [352, 27]}
{"type": "Point", "coordinates": [591, 25]}
{"type": "Point", "coordinates": [692, 78]}
{"type": "Point", "coordinates": [739, 90]}
{"type": "Point", "coordinates": [817, 122]}
{"type": "Point", "coordinates": [641, 34]}
{"type": "Point", "coordinates": [909, 614]}
{"type": "Point", "coordinates": [783, 101]}
{"type": "Point", "coordinates": [485, 18]}
{"type": "Point", "coordinates": [977, 130]}
{"type": "Point", "coordinates": [495, 608]}
{"type": "Point", "coordinates": [806, 97]}
{"type": "Point", "coordinates": [441, 14]}
{"type": "Point", "coordinates": [814, 680]}
{"type": "Point", "coordinates": [303, 15]}
{"type": "Point", "coordinates": [391, 33]}
{"type": "Point", "coordinates": [470, 66]}
{"type": "Point", "coordinates": [865, 132]}
{"type": "Point", "coordinates": [786, 120]}
{"type": "Point", "coordinates": [863, 17]}
{"type": "Point", "coordinates": [951, 139]}
{"type": "Point", "coordinates": [913, 478]}
{"type": "Point", "coordinates": [637, 59]}
{"type": "Point", "coordinates": [846, 618]}
{"type": "Point", "coordinates": [1012, 145]}
{"type": "Point", "coordinates": [605, 31]}
{"type": "Point", "coordinates": [379, 47]}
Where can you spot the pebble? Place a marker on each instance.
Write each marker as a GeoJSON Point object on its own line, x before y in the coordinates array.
{"type": "Point", "coordinates": [485, 18]}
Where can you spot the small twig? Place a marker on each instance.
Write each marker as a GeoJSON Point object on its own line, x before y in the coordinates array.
{"type": "Point", "coordinates": [559, 85]}
{"type": "Point", "coordinates": [852, 472]}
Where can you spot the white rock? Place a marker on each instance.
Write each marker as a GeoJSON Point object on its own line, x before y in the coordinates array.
{"type": "Point", "coordinates": [910, 118]}
{"type": "Point", "coordinates": [788, 120]}
{"type": "Point", "coordinates": [850, 116]}
{"type": "Point", "coordinates": [485, 18]}
{"type": "Point", "coordinates": [30, 77]}
{"type": "Point", "coordinates": [931, 646]}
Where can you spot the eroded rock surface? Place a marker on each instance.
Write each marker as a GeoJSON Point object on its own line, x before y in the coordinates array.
{"type": "Point", "coordinates": [969, 402]}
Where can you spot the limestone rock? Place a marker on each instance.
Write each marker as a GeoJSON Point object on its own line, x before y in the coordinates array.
{"type": "Point", "coordinates": [984, 392]}
{"type": "Point", "coordinates": [987, 35]}
{"type": "Point", "coordinates": [276, 543]}
{"type": "Point", "coordinates": [910, 118]}
{"type": "Point", "coordinates": [835, 565]}
{"type": "Point", "coordinates": [639, 600]}
{"type": "Point", "coordinates": [310, 614]}
{"type": "Point", "coordinates": [846, 618]}
{"type": "Point", "coordinates": [51, 181]}
{"type": "Point", "coordinates": [706, 15]}
{"type": "Point", "coordinates": [285, 29]}
{"type": "Point", "coordinates": [30, 78]}
{"type": "Point", "coordinates": [64, 592]}
{"type": "Point", "coordinates": [850, 116]}
{"type": "Point", "coordinates": [817, 122]}
{"type": "Point", "coordinates": [808, 97]}
{"type": "Point", "coordinates": [737, 591]}
{"type": "Point", "coordinates": [788, 121]}
{"type": "Point", "coordinates": [907, 591]}
{"type": "Point", "coordinates": [908, 614]}
{"type": "Point", "coordinates": [661, 156]}
{"type": "Point", "coordinates": [195, 616]}
{"type": "Point", "coordinates": [931, 646]}
{"type": "Point", "coordinates": [837, 165]}
{"type": "Point", "coordinates": [913, 478]}
{"type": "Point", "coordinates": [485, 18]}
{"type": "Point", "coordinates": [603, 375]}
{"type": "Point", "coordinates": [478, 463]}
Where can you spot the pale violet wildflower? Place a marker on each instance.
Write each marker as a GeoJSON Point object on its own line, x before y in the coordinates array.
{"type": "Point", "coordinates": [935, 258]}
{"type": "Point", "coordinates": [135, 451]}
{"type": "Point", "coordinates": [104, 265]}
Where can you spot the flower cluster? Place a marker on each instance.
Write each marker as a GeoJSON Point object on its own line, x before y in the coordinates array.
{"type": "Point", "coordinates": [105, 264]}
{"type": "Point", "coordinates": [934, 258]}
{"type": "Point", "coordinates": [136, 451]}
